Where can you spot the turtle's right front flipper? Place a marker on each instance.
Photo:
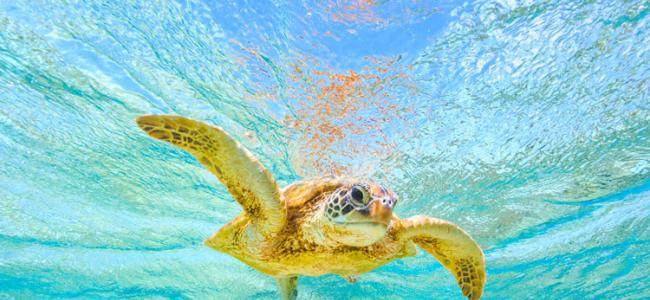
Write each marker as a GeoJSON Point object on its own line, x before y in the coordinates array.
{"type": "Point", "coordinates": [247, 180]}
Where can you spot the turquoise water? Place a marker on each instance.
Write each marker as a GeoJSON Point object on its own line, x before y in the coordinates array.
{"type": "Point", "coordinates": [524, 122]}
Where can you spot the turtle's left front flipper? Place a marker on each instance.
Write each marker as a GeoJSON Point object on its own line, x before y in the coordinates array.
{"type": "Point", "coordinates": [452, 246]}
{"type": "Point", "coordinates": [247, 180]}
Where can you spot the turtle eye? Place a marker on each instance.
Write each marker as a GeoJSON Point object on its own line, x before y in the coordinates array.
{"type": "Point", "coordinates": [358, 195]}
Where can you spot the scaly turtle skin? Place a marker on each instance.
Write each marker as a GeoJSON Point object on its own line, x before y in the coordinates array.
{"type": "Point", "coordinates": [344, 226]}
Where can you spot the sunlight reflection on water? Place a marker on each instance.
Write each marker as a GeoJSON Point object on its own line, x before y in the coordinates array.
{"type": "Point", "coordinates": [527, 124]}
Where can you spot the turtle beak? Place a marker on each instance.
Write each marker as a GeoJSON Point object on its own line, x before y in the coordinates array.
{"type": "Point", "coordinates": [380, 213]}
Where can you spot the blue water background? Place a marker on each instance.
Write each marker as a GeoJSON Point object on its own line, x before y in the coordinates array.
{"type": "Point", "coordinates": [525, 122]}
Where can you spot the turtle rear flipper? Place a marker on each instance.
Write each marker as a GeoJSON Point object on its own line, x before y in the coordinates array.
{"type": "Point", "coordinates": [247, 180]}
{"type": "Point", "coordinates": [288, 287]}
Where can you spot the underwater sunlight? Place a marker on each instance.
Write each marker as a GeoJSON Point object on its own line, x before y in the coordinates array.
{"type": "Point", "coordinates": [525, 123]}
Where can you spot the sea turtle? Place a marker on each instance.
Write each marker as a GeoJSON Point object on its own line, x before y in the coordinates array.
{"type": "Point", "coordinates": [343, 226]}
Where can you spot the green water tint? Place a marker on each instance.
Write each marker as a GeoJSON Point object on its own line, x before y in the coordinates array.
{"type": "Point", "coordinates": [525, 124]}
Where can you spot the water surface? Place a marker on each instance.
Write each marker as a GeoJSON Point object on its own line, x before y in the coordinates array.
{"type": "Point", "coordinates": [524, 122]}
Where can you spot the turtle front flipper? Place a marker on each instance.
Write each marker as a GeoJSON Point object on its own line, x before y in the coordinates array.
{"type": "Point", "coordinates": [247, 180]}
{"type": "Point", "coordinates": [288, 287]}
{"type": "Point", "coordinates": [450, 245]}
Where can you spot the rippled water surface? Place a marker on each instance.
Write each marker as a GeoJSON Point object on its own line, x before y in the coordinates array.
{"type": "Point", "coordinates": [526, 122]}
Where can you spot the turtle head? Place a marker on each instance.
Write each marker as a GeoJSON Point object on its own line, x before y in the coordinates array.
{"type": "Point", "coordinates": [358, 214]}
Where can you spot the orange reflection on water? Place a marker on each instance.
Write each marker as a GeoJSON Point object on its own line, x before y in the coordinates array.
{"type": "Point", "coordinates": [353, 11]}
{"type": "Point", "coordinates": [341, 118]}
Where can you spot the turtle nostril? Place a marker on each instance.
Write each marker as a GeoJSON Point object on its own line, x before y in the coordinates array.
{"type": "Point", "coordinates": [388, 203]}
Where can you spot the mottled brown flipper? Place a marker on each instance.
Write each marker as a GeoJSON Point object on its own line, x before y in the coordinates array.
{"type": "Point", "coordinates": [452, 246]}
{"type": "Point", "coordinates": [288, 287]}
{"type": "Point", "coordinates": [247, 180]}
